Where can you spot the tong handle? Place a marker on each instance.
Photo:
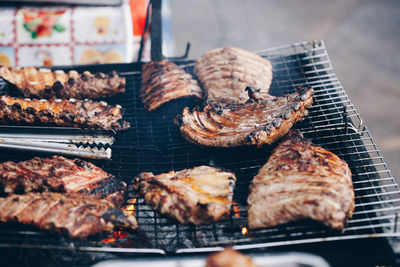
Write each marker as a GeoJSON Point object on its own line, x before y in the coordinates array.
{"type": "Point", "coordinates": [56, 148]}
{"type": "Point", "coordinates": [156, 30]}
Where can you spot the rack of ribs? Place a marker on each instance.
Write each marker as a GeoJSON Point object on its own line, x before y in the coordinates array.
{"type": "Point", "coordinates": [225, 73]}
{"type": "Point", "coordinates": [70, 113]}
{"type": "Point", "coordinates": [256, 122]}
{"type": "Point", "coordinates": [78, 215]}
{"type": "Point", "coordinates": [59, 174]}
{"type": "Point", "coordinates": [200, 195]}
{"type": "Point", "coordinates": [163, 81]}
{"type": "Point", "coordinates": [301, 180]}
{"type": "Point", "coordinates": [44, 83]}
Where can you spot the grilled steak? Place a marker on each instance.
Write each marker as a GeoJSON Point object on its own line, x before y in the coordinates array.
{"type": "Point", "coordinates": [229, 258]}
{"type": "Point", "coordinates": [301, 180]}
{"type": "Point", "coordinates": [200, 195]}
{"type": "Point", "coordinates": [225, 73]}
{"type": "Point", "coordinates": [44, 83]}
{"type": "Point", "coordinates": [78, 215]}
{"type": "Point", "coordinates": [163, 81]}
{"type": "Point", "coordinates": [59, 174]}
{"type": "Point", "coordinates": [257, 122]}
{"type": "Point", "coordinates": [70, 113]}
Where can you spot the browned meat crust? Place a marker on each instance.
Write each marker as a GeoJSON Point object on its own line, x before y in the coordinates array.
{"type": "Point", "coordinates": [70, 113]}
{"type": "Point", "coordinates": [78, 215]}
{"type": "Point", "coordinates": [229, 258]}
{"type": "Point", "coordinates": [59, 174]}
{"type": "Point", "coordinates": [200, 195]}
{"type": "Point", "coordinates": [225, 73]}
{"type": "Point", "coordinates": [257, 122]}
{"type": "Point", "coordinates": [44, 83]}
{"type": "Point", "coordinates": [163, 81]}
{"type": "Point", "coordinates": [301, 180]}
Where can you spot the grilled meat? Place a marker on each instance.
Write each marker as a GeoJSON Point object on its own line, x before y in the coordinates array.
{"type": "Point", "coordinates": [70, 113]}
{"type": "Point", "coordinates": [163, 81]}
{"type": "Point", "coordinates": [78, 215]}
{"type": "Point", "coordinates": [225, 73]}
{"type": "Point", "coordinates": [59, 174]}
{"type": "Point", "coordinates": [200, 195]}
{"type": "Point", "coordinates": [44, 83]}
{"type": "Point", "coordinates": [301, 180]}
{"type": "Point", "coordinates": [257, 122]}
{"type": "Point", "coordinates": [229, 258]}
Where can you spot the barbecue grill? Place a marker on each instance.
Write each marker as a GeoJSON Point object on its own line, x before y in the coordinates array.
{"type": "Point", "coordinates": [155, 144]}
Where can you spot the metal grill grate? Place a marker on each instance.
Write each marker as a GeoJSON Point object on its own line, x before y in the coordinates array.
{"type": "Point", "coordinates": [155, 144]}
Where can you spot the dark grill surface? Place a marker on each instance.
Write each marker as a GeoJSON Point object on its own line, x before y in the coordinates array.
{"type": "Point", "coordinates": [154, 144]}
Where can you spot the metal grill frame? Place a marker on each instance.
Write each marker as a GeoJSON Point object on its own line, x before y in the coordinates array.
{"type": "Point", "coordinates": [333, 122]}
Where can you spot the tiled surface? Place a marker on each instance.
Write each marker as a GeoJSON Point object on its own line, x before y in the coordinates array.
{"type": "Point", "coordinates": [362, 38]}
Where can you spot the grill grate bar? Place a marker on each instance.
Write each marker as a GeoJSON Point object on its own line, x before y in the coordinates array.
{"type": "Point", "coordinates": [375, 187]}
{"type": "Point", "coordinates": [392, 201]}
{"type": "Point", "coordinates": [376, 210]}
{"type": "Point", "coordinates": [378, 194]}
{"type": "Point", "coordinates": [374, 180]}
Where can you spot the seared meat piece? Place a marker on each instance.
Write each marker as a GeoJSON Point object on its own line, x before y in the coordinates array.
{"type": "Point", "coordinates": [226, 72]}
{"type": "Point", "coordinates": [200, 195]}
{"type": "Point", "coordinates": [78, 215]}
{"type": "Point", "coordinates": [257, 122]}
{"type": "Point", "coordinates": [44, 83]}
{"type": "Point", "coordinates": [301, 180]}
{"type": "Point", "coordinates": [69, 113]}
{"type": "Point", "coordinates": [163, 81]}
{"type": "Point", "coordinates": [61, 175]}
{"type": "Point", "coordinates": [229, 258]}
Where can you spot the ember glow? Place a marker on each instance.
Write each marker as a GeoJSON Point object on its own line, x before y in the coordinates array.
{"type": "Point", "coordinates": [117, 235]}
{"type": "Point", "coordinates": [235, 208]}
{"type": "Point", "coordinates": [244, 231]}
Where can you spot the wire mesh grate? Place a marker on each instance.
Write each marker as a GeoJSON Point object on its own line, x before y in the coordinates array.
{"type": "Point", "coordinates": [154, 144]}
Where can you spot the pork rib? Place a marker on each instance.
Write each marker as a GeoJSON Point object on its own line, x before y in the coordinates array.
{"type": "Point", "coordinates": [163, 81]}
{"type": "Point", "coordinates": [257, 122]}
{"type": "Point", "coordinates": [301, 180]}
{"type": "Point", "coordinates": [78, 215]}
{"type": "Point", "coordinates": [44, 83]}
{"type": "Point", "coordinates": [71, 113]}
{"type": "Point", "coordinates": [199, 196]}
{"type": "Point", "coordinates": [225, 73]}
{"type": "Point", "coordinates": [59, 174]}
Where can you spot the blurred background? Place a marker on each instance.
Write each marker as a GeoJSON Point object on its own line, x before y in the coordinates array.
{"type": "Point", "coordinates": [362, 39]}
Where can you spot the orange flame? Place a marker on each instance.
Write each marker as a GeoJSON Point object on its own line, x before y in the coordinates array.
{"type": "Point", "coordinates": [244, 231]}
{"type": "Point", "coordinates": [117, 235]}
{"type": "Point", "coordinates": [109, 240]}
{"type": "Point", "coordinates": [235, 208]}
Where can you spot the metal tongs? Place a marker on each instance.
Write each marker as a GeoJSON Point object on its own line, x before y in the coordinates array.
{"type": "Point", "coordinates": [66, 141]}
